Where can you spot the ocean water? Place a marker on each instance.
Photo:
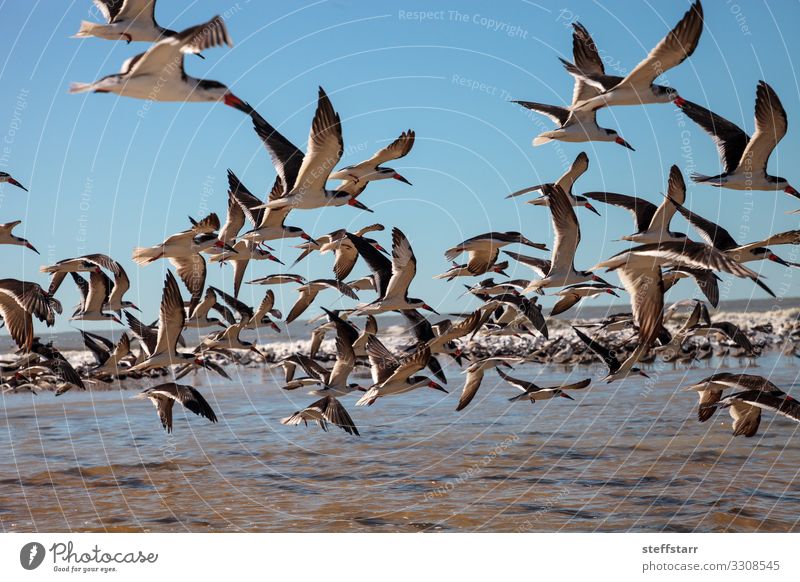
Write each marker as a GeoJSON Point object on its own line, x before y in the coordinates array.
{"type": "Point", "coordinates": [627, 456]}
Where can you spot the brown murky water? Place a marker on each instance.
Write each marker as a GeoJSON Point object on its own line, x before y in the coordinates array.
{"type": "Point", "coordinates": [622, 457]}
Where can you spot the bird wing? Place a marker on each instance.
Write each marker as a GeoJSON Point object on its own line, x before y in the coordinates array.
{"type": "Point", "coordinates": [587, 59]}
{"type": "Point", "coordinates": [245, 311]}
{"type": "Point", "coordinates": [646, 289]}
{"type": "Point", "coordinates": [345, 258]}
{"type": "Point", "coordinates": [605, 354]}
{"type": "Point", "coordinates": [380, 265]}
{"type": "Point", "coordinates": [192, 271]}
{"type": "Point", "coordinates": [557, 115]}
{"type": "Point", "coordinates": [789, 237]}
{"type": "Point", "coordinates": [481, 260]}
{"type": "Point", "coordinates": [473, 382]}
{"type": "Point", "coordinates": [98, 291]}
{"type": "Point", "coordinates": [382, 362]}
{"type": "Point", "coordinates": [677, 46]}
{"type": "Point", "coordinates": [676, 191]}
{"type": "Point", "coordinates": [335, 413]}
{"type": "Point", "coordinates": [517, 383]}
{"type": "Point", "coordinates": [642, 210]}
{"type": "Point", "coordinates": [771, 125]}
{"type": "Point", "coordinates": [712, 233]}
{"type": "Point", "coordinates": [746, 418]}
{"type": "Point", "coordinates": [404, 265]}
{"type": "Point", "coordinates": [160, 59]}
{"type": "Point", "coordinates": [129, 9]}
{"type": "Point", "coordinates": [729, 138]}
{"type": "Point", "coordinates": [566, 228]}
{"type": "Point", "coordinates": [171, 317]}
{"type": "Point", "coordinates": [17, 320]}
{"type": "Point", "coordinates": [540, 266]}
{"type": "Point", "coordinates": [694, 254]}
{"type": "Point", "coordinates": [411, 364]}
{"type": "Point", "coordinates": [565, 303]}
{"type": "Point", "coordinates": [395, 150]}
{"type": "Point", "coordinates": [307, 296]}
{"type": "Point", "coordinates": [325, 147]}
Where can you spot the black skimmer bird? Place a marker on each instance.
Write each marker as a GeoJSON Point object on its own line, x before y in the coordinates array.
{"type": "Point", "coordinates": [651, 221]}
{"type": "Point", "coordinates": [744, 158]}
{"type": "Point", "coordinates": [303, 177]}
{"type": "Point", "coordinates": [571, 295]}
{"type": "Point", "coordinates": [391, 278]}
{"type": "Point", "coordinates": [128, 20]}
{"type": "Point", "coordinates": [392, 375]}
{"type": "Point", "coordinates": [198, 317]}
{"type": "Point", "coordinates": [464, 270]}
{"type": "Point", "coordinates": [534, 393]}
{"type": "Point", "coordinates": [578, 125]}
{"type": "Point", "coordinates": [324, 411]}
{"type": "Point", "coordinates": [85, 264]}
{"type": "Point", "coordinates": [441, 338]}
{"type": "Point", "coordinates": [334, 381]}
{"type": "Point", "coordinates": [517, 312]}
{"type": "Point", "coordinates": [308, 292]}
{"type": "Point", "coordinates": [183, 250]}
{"type": "Point", "coordinates": [243, 252]}
{"type": "Point", "coordinates": [93, 298]}
{"type": "Point", "coordinates": [6, 177]}
{"type": "Point", "coordinates": [489, 287]}
{"type": "Point", "coordinates": [249, 317]}
{"type": "Point", "coordinates": [279, 279]}
{"type": "Point", "coordinates": [7, 238]}
{"type": "Point", "coordinates": [224, 341]}
{"type": "Point", "coordinates": [560, 271]}
{"type": "Point", "coordinates": [345, 253]}
{"type": "Point", "coordinates": [108, 356]}
{"type": "Point", "coordinates": [722, 240]}
{"type": "Point", "coordinates": [637, 87]}
{"type": "Point", "coordinates": [66, 376]}
{"type": "Point", "coordinates": [164, 397]}
{"type": "Point", "coordinates": [268, 223]}
{"type": "Point", "coordinates": [706, 280]}
{"type": "Point", "coordinates": [756, 393]}
{"type": "Point", "coordinates": [20, 301]}
{"type": "Point", "coordinates": [566, 182]}
{"type": "Point", "coordinates": [639, 269]}
{"type": "Point", "coordinates": [163, 353]}
{"type": "Point", "coordinates": [158, 74]}
{"type": "Point", "coordinates": [484, 248]}
{"type": "Point", "coordinates": [475, 373]}
{"type": "Point", "coordinates": [372, 169]}
{"type": "Point", "coordinates": [616, 370]}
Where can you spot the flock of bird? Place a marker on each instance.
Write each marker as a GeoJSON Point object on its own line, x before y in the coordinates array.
{"type": "Point", "coordinates": [658, 261]}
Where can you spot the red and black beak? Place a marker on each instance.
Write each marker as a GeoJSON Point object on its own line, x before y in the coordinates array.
{"type": "Point", "coordinates": [272, 257]}
{"type": "Point", "coordinates": [232, 100]}
{"type": "Point", "coordinates": [33, 248]}
{"type": "Point", "coordinates": [776, 259]}
{"type": "Point", "coordinates": [679, 101]}
{"type": "Point", "coordinates": [429, 308]}
{"type": "Point", "coordinates": [436, 386]}
{"type": "Point", "coordinates": [624, 144]}
{"type": "Point", "coordinates": [565, 395]}
{"type": "Point", "coordinates": [308, 237]}
{"type": "Point", "coordinates": [788, 190]}
{"type": "Point", "coordinates": [397, 176]}
{"type": "Point", "coordinates": [13, 182]}
{"type": "Point", "coordinates": [357, 204]}
{"type": "Point", "coordinates": [591, 208]}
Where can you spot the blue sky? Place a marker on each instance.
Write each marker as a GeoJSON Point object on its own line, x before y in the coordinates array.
{"type": "Point", "coordinates": [104, 178]}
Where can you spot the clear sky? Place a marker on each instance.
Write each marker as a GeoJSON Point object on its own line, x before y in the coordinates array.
{"type": "Point", "coordinates": [105, 178]}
